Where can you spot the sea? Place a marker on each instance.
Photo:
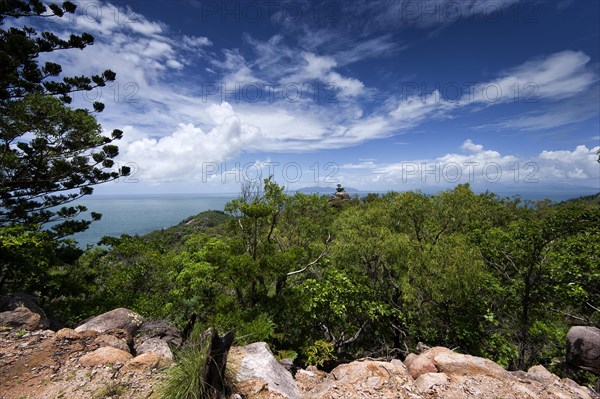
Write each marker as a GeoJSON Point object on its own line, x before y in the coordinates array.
{"type": "Point", "coordinates": [141, 214]}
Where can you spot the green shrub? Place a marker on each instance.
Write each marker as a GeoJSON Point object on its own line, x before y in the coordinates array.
{"type": "Point", "coordinates": [319, 352]}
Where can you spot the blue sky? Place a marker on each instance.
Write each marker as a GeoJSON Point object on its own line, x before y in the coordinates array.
{"type": "Point", "coordinates": [376, 95]}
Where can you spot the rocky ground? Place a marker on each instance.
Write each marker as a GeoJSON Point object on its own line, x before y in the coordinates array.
{"type": "Point", "coordinates": [436, 373]}
{"type": "Point", "coordinates": [44, 364]}
{"type": "Point", "coordinates": [120, 355]}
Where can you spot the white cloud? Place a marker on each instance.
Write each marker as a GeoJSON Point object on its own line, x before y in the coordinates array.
{"type": "Point", "coordinates": [428, 13]}
{"type": "Point", "coordinates": [101, 18]}
{"type": "Point", "coordinates": [478, 165]}
{"type": "Point", "coordinates": [573, 110]}
{"type": "Point", "coordinates": [182, 154]}
{"type": "Point", "coordinates": [307, 126]}
{"type": "Point", "coordinates": [577, 165]}
{"type": "Point", "coordinates": [564, 75]}
{"type": "Point", "coordinates": [196, 41]}
{"type": "Point", "coordinates": [470, 146]}
{"type": "Point", "coordinates": [321, 68]}
{"type": "Point", "coordinates": [360, 165]}
{"type": "Point", "coordinates": [171, 128]}
{"type": "Point", "coordinates": [415, 109]}
{"type": "Point", "coordinates": [238, 71]}
{"type": "Point", "coordinates": [316, 66]}
{"type": "Point", "coordinates": [560, 75]}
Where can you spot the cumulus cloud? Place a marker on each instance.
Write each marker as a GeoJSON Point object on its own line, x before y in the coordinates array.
{"type": "Point", "coordinates": [307, 126]}
{"type": "Point", "coordinates": [579, 164]}
{"type": "Point", "coordinates": [478, 165]}
{"type": "Point", "coordinates": [182, 154]}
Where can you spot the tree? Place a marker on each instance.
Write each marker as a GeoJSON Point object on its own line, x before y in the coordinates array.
{"type": "Point", "coordinates": [544, 264]}
{"type": "Point", "coordinates": [50, 153]}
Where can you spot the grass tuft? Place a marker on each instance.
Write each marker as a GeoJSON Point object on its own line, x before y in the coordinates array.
{"type": "Point", "coordinates": [185, 380]}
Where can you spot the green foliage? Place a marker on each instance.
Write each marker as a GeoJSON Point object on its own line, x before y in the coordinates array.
{"type": "Point", "coordinates": [28, 257]}
{"type": "Point", "coordinates": [212, 222]}
{"type": "Point", "coordinates": [445, 294]}
{"type": "Point", "coordinates": [543, 263]}
{"type": "Point", "coordinates": [67, 153]}
{"type": "Point", "coordinates": [319, 352]}
{"type": "Point", "coordinates": [286, 354]}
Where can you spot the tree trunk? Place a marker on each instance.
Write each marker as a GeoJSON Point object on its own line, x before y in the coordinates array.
{"type": "Point", "coordinates": [214, 372]}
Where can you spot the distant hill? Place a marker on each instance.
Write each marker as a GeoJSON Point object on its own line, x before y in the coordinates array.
{"type": "Point", "coordinates": [593, 199]}
{"type": "Point", "coordinates": [201, 223]}
{"type": "Point", "coordinates": [324, 190]}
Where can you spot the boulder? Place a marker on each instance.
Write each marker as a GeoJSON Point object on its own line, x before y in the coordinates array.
{"type": "Point", "coordinates": [104, 356]}
{"type": "Point", "coordinates": [440, 359]}
{"type": "Point", "coordinates": [67, 334]}
{"type": "Point", "coordinates": [453, 363]}
{"type": "Point", "coordinates": [365, 379]}
{"type": "Point", "coordinates": [581, 392]}
{"type": "Point", "coordinates": [146, 361]}
{"type": "Point", "coordinates": [159, 329]}
{"type": "Point", "coordinates": [423, 363]}
{"type": "Point", "coordinates": [13, 301]}
{"type": "Point", "coordinates": [155, 345]}
{"type": "Point", "coordinates": [288, 364]}
{"type": "Point", "coordinates": [409, 359]}
{"type": "Point", "coordinates": [583, 348]}
{"type": "Point", "coordinates": [258, 374]}
{"type": "Point", "coordinates": [541, 374]}
{"type": "Point", "coordinates": [120, 318]}
{"type": "Point", "coordinates": [112, 341]}
{"type": "Point", "coordinates": [22, 318]}
{"type": "Point", "coordinates": [342, 195]}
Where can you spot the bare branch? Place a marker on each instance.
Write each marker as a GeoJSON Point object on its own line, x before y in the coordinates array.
{"type": "Point", "coordinates": [354, 337]}
{"type": "Point", "coordinates": [321, 255]}
{"type": "Point", "coordinates": [593, 307]}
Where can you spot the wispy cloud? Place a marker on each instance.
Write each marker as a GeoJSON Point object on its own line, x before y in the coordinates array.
{"type": "Point", "coordinates": [572, 111]}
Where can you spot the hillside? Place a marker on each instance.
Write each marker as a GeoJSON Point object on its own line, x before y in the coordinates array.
{"type": "Point", "coordinates": [204, 222]}
{"type": "Point", "coordinates": [593, 199]}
